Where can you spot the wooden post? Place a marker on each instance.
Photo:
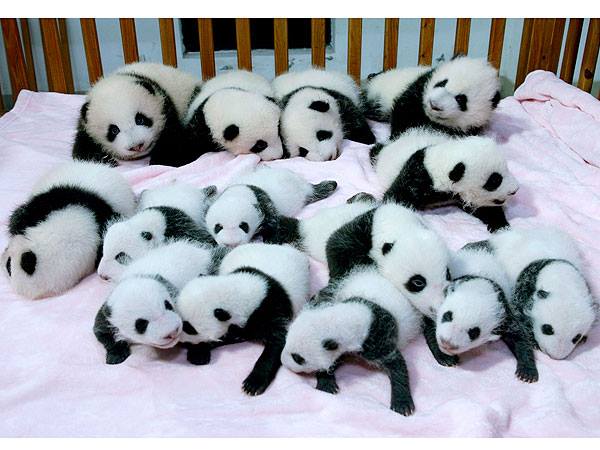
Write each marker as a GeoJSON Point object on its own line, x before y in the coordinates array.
{"type": "Point", "coordinates": [496, 42]}
{"type": "Point", "coordinates": [426, 38]}
{"type": "Point", "coordinates": [461, 38]}
{"type": "Point", "coordinates": [354, 48]}
{"type": "Point", "coordinates": [167, 42]}
{"type": "Point", "coordinates": [280, 35]}
{"type": "Point", "coordinates": [17, 68]}
{"type": "Point", "coordinates": [129, 39]}
{"type": "Point", "coordinates": [55, 69]}
{"type": "Point", "coordinates": [244, 43]}
{"type": "Point", "coordinates": [567, 69]}
{"type": "Point", "coordinates": [207, 48]}
{"type": "Point", "coordinates": [92, 49]}
{"type": "Point", "coordinates": [590, 56]}
{"type": "Point", "coordinates": [32, 82]}
{"type": "Point", "coordinates": [390, 44]}
{"type": "Point", "coordinates": [317, 42]}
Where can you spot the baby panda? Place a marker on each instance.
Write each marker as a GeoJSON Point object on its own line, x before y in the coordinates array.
{"type": "Point", "coordinates": [457, 97]}
{"type": "Point", "coordinates": [424, 169]}
{"type": "Point", "coordinates": [235, 111]}
{"type": "Point", "coordinates": [414, 258]}
{"type": "Point", "coordinates": [476, 310]}
{"type": "Point", "coordinates": [551, 296]}
{"type": "Point", "coordinates": [56, 235]}
{"type": "Point", "coordinates": [258, 291]}
{"type": "Point", "coordinates": [140, 310]}
{"type": "Point", "coordinates": [256, 202]}
{"type": "Point", "coordinates": [320, 108]}
{"type": "Point", "coordinates": [136, 111]}
{"type": "Point", "coordinates": [361, 313]}
{"type": "Point", "coordinates": [172, 212]}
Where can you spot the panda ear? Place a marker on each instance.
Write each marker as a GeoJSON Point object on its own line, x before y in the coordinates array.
{"type": "Point", "coordinates": [457, 172]}
{"type": "Point", "coordinates": [146, 85]}
{"type": "Point", "coordinates": [84, 111]}
{"type": "Point", "coordinates": [210, 191]}
{"type": "Point", "coordinates": [496, 100]}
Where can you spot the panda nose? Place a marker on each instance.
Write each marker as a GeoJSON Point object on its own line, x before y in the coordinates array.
{"type": "Point", "coordinates": [172, 335]}
{"type": "Point", "coordinates": [513, 192]}
{"type": "Point", "coordinates": [105, 277]}
{"type": "Point", "coordinates": [137, 148]}
{"type": "Point", "coordinates": [435, 106]}
{"type": "Point", "coordinates": [447, 345]}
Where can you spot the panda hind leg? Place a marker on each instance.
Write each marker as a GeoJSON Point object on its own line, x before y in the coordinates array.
{"type": "Point", "coordinates": [321, 191]}
{"type": "Point", "coordinates": [267, 365]}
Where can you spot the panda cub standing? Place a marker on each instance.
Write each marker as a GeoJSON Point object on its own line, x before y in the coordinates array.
{"type": "Point", "coordinates": [456, 98]}
{"type": "Point", "coordinates": [320, 108]}
{"type": "Point", "coordinates": [136, 111]}
{"type": "Point", "coordinates": [258, 291]}
{"type": "Point", "coordinates": [56, 235]}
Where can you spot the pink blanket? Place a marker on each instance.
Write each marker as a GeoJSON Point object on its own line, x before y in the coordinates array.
{"type": "Point", "coordinates": [54, 381]}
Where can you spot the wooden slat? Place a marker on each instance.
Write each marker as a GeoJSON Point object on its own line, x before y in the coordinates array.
{"type": "Point", "coordinates": [244, 43]}
{"type": "Point", "coordinates": [461, 38]}
{"type": "Point", "coordinates": [354, 48]}
{"type": "Point", "coordinates": [55, 69]}
{"type": "Point", "coordinates": [207, 48]}
{"type": "Point", "coordinates": [92, 49]}
{"type": "Point", "coordinates": [167, 42]}
{"type": "Point", "coordinates": [558, 32]}
{"type": "Point", "coordinates": [28, 54]}
{"type": "Point", "coordinates": [1, 104]}
{"type": "Point", "coordinates": [590, 56]}
{"type": "Point", "coordinates": [496, 42]}
{"type": "Point", "coordinates": [567, 69]}
{"type": "Point", "coordinates": [536, 46]}
{"type": "Point", "coordinates": [66, 56]}
{"type": "Point", "coordinates": [390, 44]}
{"type": "Point", "coordinates": [524, 51]}
{"type": "Point", "coordinates": [426, 41]}
{"type": "Point", "coordinates": [317, 42]}
{"type": "Point", "coordinates": [129, 39]}
{"type": "Point", "coordinates": [14, 54]}
{"type": "Point", "coordinates": [280, 34]}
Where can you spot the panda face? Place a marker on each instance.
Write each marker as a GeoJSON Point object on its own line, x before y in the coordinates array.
{"type": "Point", "coordinates": [128, 240]}
{"type": "Point", "coordinates": [244, 122]}
{"type": "Point", "coordinates": [562, 312]}
{"type": "Point", "coordinates": [468, 316]}
{"type": "Point", "coordinates": [143, 313]}
{"type": "Point", "coordinates": [462, 93]}
{"type": "Point", "coordinates": [233, 219]}
{"type": "Point", "coordinates": [124, 117]}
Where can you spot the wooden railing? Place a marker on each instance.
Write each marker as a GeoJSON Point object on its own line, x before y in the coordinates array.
{"type": "Point", "coordinates": [541, 46]}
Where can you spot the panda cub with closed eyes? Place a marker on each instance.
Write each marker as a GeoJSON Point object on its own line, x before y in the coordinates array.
{"type": "Point", "coordinates": [135, 112]}
{"type": "Point", "coordinates": [457, 97]}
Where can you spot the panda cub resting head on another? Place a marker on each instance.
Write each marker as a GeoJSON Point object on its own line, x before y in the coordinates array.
{"type": "Point", "coordinates": [320, 108]}
{"type": "Point", "coordinates": [424, 169]}
{"type": "Point", "coordinates": [235, 111]}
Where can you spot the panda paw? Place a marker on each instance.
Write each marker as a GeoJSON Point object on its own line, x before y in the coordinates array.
{"type": "Point", "coordinates": [255, 384]}
{"type": "Point", "coordinates": [198, 356]}
{"type": "Point", "coordinates": [327, 385]}
{"type": "Point", "coordinates": [405, 407]}
{"type": "Point", "coordinates": [446, 360]}
{"type": "Point", "coordinates": [527, 374]}
{"type": "Point", "coordinates": [117, 354]}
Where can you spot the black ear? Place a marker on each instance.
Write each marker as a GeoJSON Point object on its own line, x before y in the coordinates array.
{"type": "Point", "coordinates": [493, 182]}
{"type": "Point", "coordinates": [28, 262]}
{"type": "Point", "coordinates": [222, 315]}
{"type": "Point", "coordinates": [84, 111]}
{"type": "Point", "coordinates": [146, 235]}
{"type": "Point", "coordinates": [188, 328]}
{"type": "Point", "coordinates": [231, 132]}
{"type": "Point", "coordinates": [457, 172]}
{"type": "Point", "coordinates": [330, 344]}
{"type": "Point", "coordinates": [146, 85]}
{"type": "Point", "coordinates": [302, 151]}
{"type": "Point", "coordinates": [210, 191]}
{"type": "Point", "coordinates": [320, 106]}
{"type": "Point", "coordinates": [496, 99]}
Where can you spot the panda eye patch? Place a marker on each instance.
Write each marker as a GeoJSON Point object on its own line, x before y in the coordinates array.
{"type": "Point", "coordinates": [447, 317]}
{"type": "Point", "coordinates": [221, 315]}
{"type": "Point", "coordinates": [461, 99]}
{"type": "Point", "coordinates": [457, 172]}
{"type": "Point", "coordinates": [330, 344]}
{"type": "Point", "coordinates": [319, 105]}
{"type": "Point", "coordinates": [188, 328]}
{"type": "Point", "coordinates": [302, 151]}
{"type": "Point", "coordinates": [542, 293]}
{"type": "Point", "coordinates": [28, 262]}
{"type": "Point", "coordinates": [387, 247]}
{"type": "Point", "coordinates": [493, 182]}
{"type": "Point", "coordinates": [168, 305]}
{"type": "Point", "coordinates": [142, 120]}
{"type": "Point", "coordinates": [441, 83]}
{"type": "Point", "coordinates": [8, 267]}
{"type": "Point", "coordinates": [123, 258]}
{"type": "Point", "coordinates": [298, 359]}
{"type": "Point", "coordinates": [147, 235]}
{"type": "Point", "coordinates": [244, 227]}
{"type": "Point", "coordinates": [259, 146]}
{"type": "Point", "coordinates": [575, 340]}
{"type": "Point", "coordinates": [141, 325]}
{"type": "Point", "coordinates": [547, 329]}
{"type": "Point", "coordinates": [416, 283]}
{"type": "Point", "coordinates": [323, 135]}
{"type": "Point", "coordinates": [231, 132]}
{"type": "Point", "coordinates": [448, 274]}
{"type": "Point", "coordinates": [113, 131]}
{"type": "Point", "coordinates": [474, 333]}
{"type": "Point", "coordinates": [218, 227]}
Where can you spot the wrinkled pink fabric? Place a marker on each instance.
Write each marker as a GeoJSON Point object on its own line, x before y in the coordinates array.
{"type": "Point", "coordinates": [54, 381]}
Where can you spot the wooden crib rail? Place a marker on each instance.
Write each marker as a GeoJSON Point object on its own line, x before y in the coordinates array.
{"type": "Point", "coordinates": [540, 48]}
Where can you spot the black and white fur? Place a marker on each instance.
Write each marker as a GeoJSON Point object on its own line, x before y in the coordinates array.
{"type": "Point", "coordinates": [361, 313]}
{"type": "Point", "coordinates": [136, 111]}
{"type": "Point", "coordinates": [172, 212]}
{"type": "Point", "coordinates": [56, 235]}
{"type": "Point", "coordinates": [476, 310]}
{"type": "Point", "coordinates": [424, 169]}
{"type": "Point", "coordinates": [320, 108]}
{"type": "Point", "coordinates": [256, 202]}
{"type": "Point", "coordinates": [551, 296]}
{"type": "Point", "coordinates": [140, 310]}
{"type": "Point", "coordinates": [235, 111]}
{"type": "Point", "coordinates": [457, 97]}
{"type": "Point", "coordinates": [258, 291]}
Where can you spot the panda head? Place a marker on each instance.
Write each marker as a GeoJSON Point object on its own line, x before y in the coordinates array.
{"type": "Point", "coordinates": [124, 115]}
{"type": "Point", "coordinates": [311, 125]}
{"type": "Point", "coordinates": [142, 311]}
{"type": "Point", "coordinates": [234, 218]}
{"type": "Point", "coordinates": [474, 168]}
{"type": "Point", "coordinates": [562, 310]}
{"type": "Point", "coordinates": [462, 93]}
{"type": "Point", "coordinates": [128, 240]}
{"type": "Point", "coordinates": [469, 315]}
{"type": "Point", "coordinates": [244, 122]}
{"type": "Point", "coordinates": [410, 255]}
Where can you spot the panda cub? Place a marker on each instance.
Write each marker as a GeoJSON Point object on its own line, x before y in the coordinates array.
{"type": "Point", "coordinates": [167, 213]}
{"type": "Point", "coordinates": [255, 203]}
{"type": "Point", "coordinates": [424, 169]}
{"type": "Point", "coordinates": [476, 310]}
{"type": "Point", "coordinates": [361, 313]}
{"type": "Point", "coordinates": [457, 97]}
{"type": "Point", "coordinates": [551, 296]}
{"type": "Point", "coordinates": [320, 108]}
{"type": "Point", "coordinates": [414, 258]}
{"type": "Point", "coordinates": [235, 111]}
{"type": "Point", "coordinates": [136, 111]}
{"type": "Point", "coordinates": [258, 291]}
{"type": "Point", "coordinates": [56, 235]}
{"type": "Point", "coordinates": [140, 308]}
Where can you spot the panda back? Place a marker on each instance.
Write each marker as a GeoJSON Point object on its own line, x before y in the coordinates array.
{"type": "Point", "coordinates": [479, 262]}
{"type": "Point", "coordinates": [335, 81]}
{"type": "Point", "coordinates": [190, 199]}
{"type": "Point", "coordinates": [238, 79]}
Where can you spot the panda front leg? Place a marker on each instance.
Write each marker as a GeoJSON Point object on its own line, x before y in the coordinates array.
{"type": "Point", "coordinates": [267, 365]}
{"type": "Point", "coordinates": [441, 357]}
{"type": "Point", "coordinates": [523, 351]}
{"type": "Point", "coordinates": [199, 354]}
{"type": "Point", "coordinates": [326, 381]}
{"type": "Point", "coordinates": [492, 216]}
{"type": "Point", "coordinates": [117, 351]}
{"type": "Point", "coordinates": [402, 401]}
